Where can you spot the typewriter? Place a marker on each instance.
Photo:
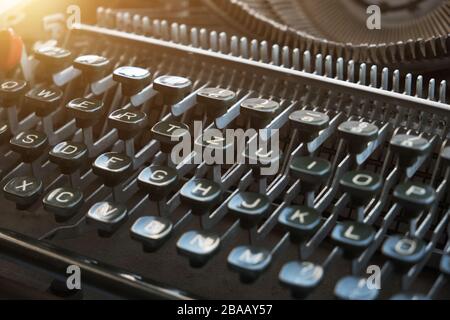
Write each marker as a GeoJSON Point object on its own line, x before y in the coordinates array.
{"type": "Point", "coordinates": [341, 190]}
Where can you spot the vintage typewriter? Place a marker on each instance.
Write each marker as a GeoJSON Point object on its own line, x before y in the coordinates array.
{"type": "Point", "coordinates": [357, 207]}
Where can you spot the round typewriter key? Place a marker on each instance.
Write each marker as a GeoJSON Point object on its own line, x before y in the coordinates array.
{"type": "Point", "coordinates": [302, 277]}
{"type": "Point", "coordinates": [312, 171]}
{"type": "Point", "coordinates": [409, 148]}
{"type": "Point", "coordinates": [92, 66]}
{"type": "Point", "coordinates": [63, 202]}
{"type": "Point", "coordinates": [262, 157]}
{"type": "Point", "coordinates": [309, 123]}
{"type": "Point", "coordinates": [112, 167]}
{"type": "Point", "coordinates": [404, 251]}
{"type": "Point", "coordinates": [357, 134]}
{"type": "Point", "coordinates": [86, 111]}
{"type": "Point", "coordinates": [353, 237]}
{"type": "Point", "coordinates": [362, 186]}
{"type": "Point", "coordinates": [133, 79]}
{"type": "Point", "coordinates": [173, 88]}
{"type": "Point", "coordinates": [214, 144]}
{"type": "Point", "coordinates": [107, 217]}
{"type": "Point", "coordinates": [249, 207]}
{"type": "Point", "coordinates": [29, 144]}
{"type": "Point", "coordinates": [24, 191]}
{"type": "Point", "coordinates": [216, 100]}
{"type": "Point", "coordinates": [300, 221]}
{"type": "Point", "coordinates": [151, 231]}
{"type": "Point", "coordinates": [11, 90]}
{"type": "Point", "coordinates": [169, 133]}
{"type": "Point", "coordinates": [201, 195]}
{"type": "Point", "coordinates": [198, 247]}
{"type": "Point", "coordinates": [158, 181]}
{"type": "Point", "coordinates": [414, 197]}
{"type": "Point", "coordinates": [44, 100]}
{"type": "Point", "coordinates": [69, 156]}
{"type": "Point", "coordinates": [53, 57]}
{"type": "Point", "coordinates": [249, 261]}
{"type": "Point", "coordinates": [128, 122]}
{"type": "Point", "coordinates": [354, 288]}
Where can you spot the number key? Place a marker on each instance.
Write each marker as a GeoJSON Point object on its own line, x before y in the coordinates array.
{"type": "Point", "coordinates": [151, 231]}
{"type": "Point", "coordinates": [249, 261]}
{"type": "Point", "coordinates": [63, 202]}
{"type": "Point", "coordinates": [158, 181]}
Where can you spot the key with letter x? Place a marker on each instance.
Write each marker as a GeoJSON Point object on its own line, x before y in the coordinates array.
{"type": "Point", "coordinates": [24, 191]}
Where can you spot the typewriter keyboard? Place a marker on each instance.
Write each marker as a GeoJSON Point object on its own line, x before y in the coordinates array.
{"type": "Point", "coordinates": [357, 206]}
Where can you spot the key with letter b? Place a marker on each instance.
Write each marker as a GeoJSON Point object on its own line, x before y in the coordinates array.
{"type": "Point", "coordinates": [69, 156]}
{"type": "Point", "coordinates": [301, 277]}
